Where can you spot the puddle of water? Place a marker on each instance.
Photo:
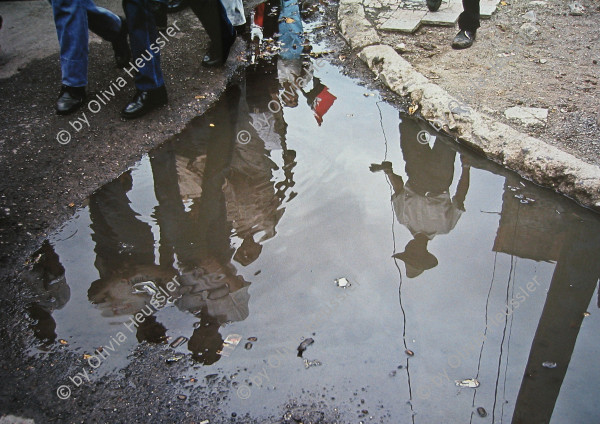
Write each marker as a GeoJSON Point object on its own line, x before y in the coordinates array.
{"type": "Point", "coordinates": [246, 222]}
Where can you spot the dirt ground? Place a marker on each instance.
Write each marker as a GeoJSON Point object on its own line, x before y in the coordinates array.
{"type": "Point", "coordinates": [553, 63]}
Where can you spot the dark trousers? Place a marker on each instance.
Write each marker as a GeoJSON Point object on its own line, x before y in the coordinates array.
{"type": "Point", "coordinates": [469, 18]}
{"type": "Point", "coordinates": [214, 19]}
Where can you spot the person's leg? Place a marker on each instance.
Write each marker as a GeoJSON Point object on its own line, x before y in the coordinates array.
{"type": "Point", "coordinates": [213, 17]}
{"type": "Point", "coordinates": [70, 18]}
{"type": "Point", "coordinates": [110, 27]}
{"type": "Point", "coordinates": [149, 81]}
{"type": "Point", "coordinates": [468, 22]}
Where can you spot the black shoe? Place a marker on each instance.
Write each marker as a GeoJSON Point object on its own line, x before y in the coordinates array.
{"type": "Point", "coordinates": [70, 99]}
{"type": "Point", "coordinates": [121, 46]}
{"type": "Point", "coordinates": [434, 5]}
{"type": "Point", "coordinates": [217, 57]}
{"type": "Point", "coordinates": [463, 39]}
{"type": "Point", "coordinates": [145, 101]}
{"type": "Point", "coordinates": [176, 5]}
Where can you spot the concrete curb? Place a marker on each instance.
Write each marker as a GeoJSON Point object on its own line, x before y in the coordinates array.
{"type": "Point", "coordinates": [530, 157]}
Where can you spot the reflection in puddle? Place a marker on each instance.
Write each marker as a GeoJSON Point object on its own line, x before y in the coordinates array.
{"type": "Point", "coordinates": [234, 233]}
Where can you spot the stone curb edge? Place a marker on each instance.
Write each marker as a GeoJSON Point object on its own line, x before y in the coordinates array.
{"type": "Point", "coordinates": [530, 157]}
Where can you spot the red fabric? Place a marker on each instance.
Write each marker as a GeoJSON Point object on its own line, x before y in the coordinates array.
{"type": "Point", "coordinates": [259, 14]}
{"type": "Point", "coordinates": [322, 104]}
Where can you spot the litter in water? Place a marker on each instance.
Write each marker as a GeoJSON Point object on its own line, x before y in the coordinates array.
{"type": "Point", "coordinates": [306, 343]}
{"type": "Point", "coordinates": [179, 341]}
{"type": "Point", "coordinates": [172, 359]}
{"type": "Point", "coordinates": [342, 282]}
{"type": "Point", "coordinates": [469, 382]}
{"type": "Point", "coordinates": [313, 363]}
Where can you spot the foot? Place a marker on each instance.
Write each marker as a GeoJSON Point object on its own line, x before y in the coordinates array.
{"type": "Point", "coordinates": [463, 39]}
{"type": "Point", "coordinates": [217, 57]}
{"type": "Point", "coordinates": [145, 101]}
{"type": "Point", "coordinates": [70, 99]}
{"type": "Point", "coordinates": [121, 46]}
{"type": "Point", "coordinates": [434, 5]}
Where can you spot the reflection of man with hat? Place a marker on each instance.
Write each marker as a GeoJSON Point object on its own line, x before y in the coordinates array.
{"type": "Point", "coordinates": [424, 204]}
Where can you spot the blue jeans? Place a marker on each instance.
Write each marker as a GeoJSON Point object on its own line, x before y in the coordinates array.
{"type": "Point", "coordinates": [72, 19]}
{"type": "Point", "coordinates": [142, 34]}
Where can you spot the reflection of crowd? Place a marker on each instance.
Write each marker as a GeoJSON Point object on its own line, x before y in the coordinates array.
{"type": "Point", "coordinates": [219, 201]}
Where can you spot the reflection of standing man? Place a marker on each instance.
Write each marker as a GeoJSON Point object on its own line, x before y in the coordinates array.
{"type": "Point", "coordinates": [424, 204]}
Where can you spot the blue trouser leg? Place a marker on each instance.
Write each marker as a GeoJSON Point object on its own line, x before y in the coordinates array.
{"type": "Point", "coordinates": [72, 18]}
{"type": "Point", "coordinates": [142, 34]}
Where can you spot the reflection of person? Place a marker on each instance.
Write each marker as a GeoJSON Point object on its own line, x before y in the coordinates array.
{"type": "Point", "coordinates": [72, 20]}
{"type": "Point", "coordinates": [210, 286]}
{"type": "Point", "coordinates": [124, 257]}
{"type": "Point", "coordinates": [47, 282]}
{"type": "Point", "coordinates": [423, 204]}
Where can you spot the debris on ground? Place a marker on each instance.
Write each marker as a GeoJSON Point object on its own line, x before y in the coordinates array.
{"type": "Point", "coordinates": [306, 343]}
{"type": "Point", "coordinates": [549, 364]}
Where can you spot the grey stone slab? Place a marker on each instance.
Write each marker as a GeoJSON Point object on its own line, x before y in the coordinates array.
{"type": "Point", "coordinates": [404, 21]}
{"type": "Point", "coordinates": [447, 15]}
{"type": "Point", "coordinates": [487, 8]}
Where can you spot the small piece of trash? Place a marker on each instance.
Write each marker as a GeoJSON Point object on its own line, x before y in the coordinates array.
{"type": "Point", "coordinates": [181, 397]}
{"type": "Point", "coordinates": [305, 343]}
{"type": "Point", "coordinates": [248, 346]}
{"type": "Point", "coordinates": [63, 342]}
{"type": "Point", "coordinates": [147, 287]}
{"type": "Point", "coordinates": [179, 341]}
{"type": "Point", "coordinates": [71, 204]}
{"type": "Point", "coordinates": [229, 344]}
{"type": "Point", "coordinates": [313, 363]}
{"type": "Point", "coordinates": [586, 314]}
{"type": "Point", "coordinates": [392, 374]}
{"type": "Point", "coordinates": [252, 339]}
{"type": "Point", "coordinates": [204, 422]}
{"type": "Point", "coordinates": [409, 352]}
{"type": "Point", "coordinates": [86, 356]}
{"type": "Point", "coordinates": [549, 364]}
{"type": "Point", "coordinates": [211, 125]}
{"type": "Point", "coordinates": [482, 412]}
{"type": "Point", "coordinates": [342, 282]}
{"type": "Point", "coordinates": [232, 339]}
{"type": "Point", "coordinates": [172, 359]}
{"type": "Point", "coordinates": [469, 382]}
